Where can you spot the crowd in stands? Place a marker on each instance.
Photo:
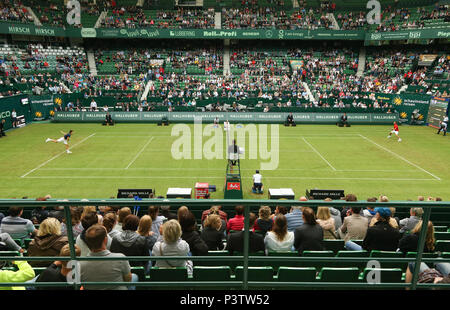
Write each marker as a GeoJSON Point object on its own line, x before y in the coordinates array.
{"type": "Point", "coordinates": [14, 11]}
{"type": "Point", "coordinates": [117, 232]}
{"type": "Point", "coordinates": [254, 18]}
{"type": "Point", "coordinates": [134, 17]}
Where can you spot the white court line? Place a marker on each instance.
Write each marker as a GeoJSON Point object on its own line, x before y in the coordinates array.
{"type": "Point", "coordinates": [215, 169]}
{"type": "Point", "coordinates": [140, 152]}
{"type": "Point", "coordinates": [401, 157]}
{"type": "Point", "coordinates": [220, 177]}
{"type": "Point", "coordinates": [317, 152]}
{"type": "Point", "coordinates": [54, 157]}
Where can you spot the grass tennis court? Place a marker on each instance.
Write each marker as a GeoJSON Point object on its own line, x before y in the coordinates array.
{"type": "Point", "coordinates": [359, 159]}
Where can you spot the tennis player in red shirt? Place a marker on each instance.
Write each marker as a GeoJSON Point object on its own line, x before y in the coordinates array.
{"type": "Point", "coordinates": [395, 131]}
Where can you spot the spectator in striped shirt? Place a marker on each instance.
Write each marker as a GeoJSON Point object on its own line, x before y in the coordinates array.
{"type": "Point", "coordinates": [16, 226]}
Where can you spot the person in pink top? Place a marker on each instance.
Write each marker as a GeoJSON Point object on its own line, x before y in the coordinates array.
{"type": "Point", "coordinates": [237, 222]}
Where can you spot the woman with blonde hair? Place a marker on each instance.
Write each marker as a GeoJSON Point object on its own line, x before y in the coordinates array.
{"type": "Point", "coordinates": [145, 230]}
{"type": "Point", "coordinates": [409, 242]}
{"type": "Point", "coordinates": [326, 222]}
{"type": "Point", "coordinates": [48, 241]}
{"type": "Point", "coordinates": [211, 233]}
{"type": "Point", "coordinates": [264, 223]}
{"type": "Point", "coordinates": [172, 245]}
{"type": "Point", "coordinates": [279, 238]}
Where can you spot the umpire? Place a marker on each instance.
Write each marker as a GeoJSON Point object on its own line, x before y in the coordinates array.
{"type": "Point", "coordinates": [343, 122]}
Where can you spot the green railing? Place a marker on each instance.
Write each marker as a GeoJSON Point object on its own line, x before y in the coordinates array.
{"type": "Point", "coordinates": [245, 258]}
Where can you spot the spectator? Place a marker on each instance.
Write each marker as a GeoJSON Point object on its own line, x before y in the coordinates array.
{"type": "Point", "coordinates": [211, 233]}
{"type": "Point", "coordinates": [235, 241]}
{"type": "Point", "coordinates": [110, 222]}
{"type": "Point", "coordinates": [369, 212]}
{"type": "Point", "coordinates": [39, 214]}
{"type": "Point", "coordinates": [16, 226]}
{"type": "Point", "coordinates": [165, 211]}
{"type": "Point", "coordinates": [89, 220]}
{"type": "Point", "coordinates": [181, 211]}
{"type": "Point", "coordinates": [346, 211]}
{"type": "Point", "coordinates": [237, 222]}
{"type": "Point", "coordinates": [381, 236]}
{"type": "Point", "coordinates": [25, 273]}
{"type": "Point", "coordinates": [354, 227]}
{"type": "Point", "coordinates": [172, 245]}
{"type": "Point", "coordinates": [98, 271]}
{"type": "Point", "coordinates": [58, 271]}
{"type": "Point", "coordinates": [57, 212]}
{"type": "Point", "coordinates": [294, 218]}
{"type": "Point", "coordinates": [145, 230]}
{"type": "Point", "coordinates": [336, 215]}
{"type": "Point", "coordinates": [279, 210]}
{"type": "Point", "coordinates": [77, 228]}
{"type": "Point", "coordinates": [8, 244]}
{"type": "Point", "coordinates": [279, 238]}
{"type": "Point", "coordinates": [130, 243]}
{"type": "Point", "coordinates": [409, 242]}
{"type": "Point", "coordinates": [264, 222]}
{"type": "Point", "coordinates": [189, 228]}
{"type": "Point", "coordinates": [157, 220]}
{"type": "Point", "coordinates": [309, 236]}
{"type": "Point", "coordinates": [407, 224]}
{"type": "Point", "coordinates": [48, 241]}
{"type": "Point", "coordinates": [123, 213]}
{"type": "Point", "coordinates": [326, 222]}
{"type": "Point", "coordinates": [223, 215]}
{"type": "Point", "coordinates": [215, 210]}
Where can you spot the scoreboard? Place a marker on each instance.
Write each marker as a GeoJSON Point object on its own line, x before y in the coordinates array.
{"type": "Point", "coordinates": [438, 109]}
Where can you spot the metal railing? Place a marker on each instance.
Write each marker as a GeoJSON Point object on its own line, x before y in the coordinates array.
{"type": "Point", "coordinates": [245, 258]}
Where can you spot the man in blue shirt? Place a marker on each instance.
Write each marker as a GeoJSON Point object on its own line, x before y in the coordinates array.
{"type": "Point", "coordinates": [294, 218]}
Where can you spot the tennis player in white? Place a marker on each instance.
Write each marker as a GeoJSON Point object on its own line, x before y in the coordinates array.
{"type": "Point", "coordinates": [65, 139]}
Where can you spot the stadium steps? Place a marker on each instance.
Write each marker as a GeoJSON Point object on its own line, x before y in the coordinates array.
{"type": "Point", "coordinates": [218, 20]}
{"type": "Point", "coordinates": [295, 4]}
{"type": "Point", "coordinates": [146, 90]}
{"type": "Point", "coordinates": [402, 89]}
{"type": "Point", "coordinates": [361, 62]}
{"type": "Point", "coordinates": [37, 22]}
{"type": "Point", "coordinates": [91, 61]}
{"type": "Point", "coordinates": [226, 58]}
{"type": "Point", "coordinates": [333, 21]}
{"type": "Point", "coordinates": [100, 19]}
{"type": "Point", "coordinates": [308, 91]}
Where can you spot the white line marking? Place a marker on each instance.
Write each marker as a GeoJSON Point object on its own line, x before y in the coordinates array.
{"type": "Point", "coordinates": [401, 157]}
{"type": "Point", "coordinates": [140, 152]}
{"type": "Point", "coordinates": [219, 177]}
{"type": "Point", "coordinates": [317, 152]}
{"type": "Point", "coordinates": [216, 169]}
{"type": "Point", "coordinates": [54, 157]}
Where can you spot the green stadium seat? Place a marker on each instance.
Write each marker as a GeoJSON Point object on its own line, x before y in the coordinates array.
{"type": "Point", "coordinates": [389, 254]}
{"type": "Point", "coordinates": [225, 262]}
{"type": "Point", "coordinates": [442, 235]}
{"type": "Point", "coordinates": [443, 246]}
{"type": "Point", "coordinates": [263, 274]}
{"type": "Point", "coordinates": [276, 263]}
{"type": "Point", "coordinates": [445, 254]}
{"type": "Point", "coordinates": [334, 245]}
{"type": "Point", "coordinates": [168, 274]}
{"type": "Point", "coordinates": [424, 255]}
{"type": "Point", "coordinates": [360, 265]}
{"type": "Point", "coordinates": [318, 254]}
{"type": "Point", "coordinates": [220, 273]}
{"type": "Point", "coordinates": [388, 275]}
{"type": "Point", "coordinates": [440, 229]}
{"type": "Point", "coordinates": [9, 253]}
{"type": "Point", "coordinates": [140, 272]}
{"type": "Point", "coordinates": [328, 274]}
{"type": "Point", "coordinates": [296, 274]}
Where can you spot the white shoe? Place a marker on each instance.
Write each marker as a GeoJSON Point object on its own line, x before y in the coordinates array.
{"type": "Point", "coordinates": [399, 140]}
{"type": "Point", "coordinates": [48, 139]}
{"type": "Point", "coordinates": [388, 137]}
{"type": "Point", "coordinates": [69, 152]}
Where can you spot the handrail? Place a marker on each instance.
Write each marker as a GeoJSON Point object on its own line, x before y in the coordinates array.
{"type": "Point", "coordinates": [245, 258]}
